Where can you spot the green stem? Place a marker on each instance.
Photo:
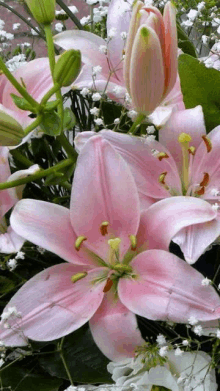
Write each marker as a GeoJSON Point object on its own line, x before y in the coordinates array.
{"type": "Point", "coordinates": [40, 174]}
{"type": "Point", "coordinates": [50, 46]}
{"type": "Point", "coordinates": [70, 14]}
{"type": "Point", "coordinates": [17, 85]}
{"type": "Point", "coordinates": [33, 125]}
{"type": "Point", "coordinates": [64, 362]}
{"type": "Point", "coordinates": [21, 158]}
{"type": "Point", "coordinates": [67, 146]}
{"type": "Point", "coordinates": [47, 96]}
{"type": "Point", "coordinates": [137, 122]}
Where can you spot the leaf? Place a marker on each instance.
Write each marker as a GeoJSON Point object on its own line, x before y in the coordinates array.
{"type": "Point", "coordinates": [84, 360]}
{"type": "Point", "coordinates": [184, 42]}
{"type": "Point", "coordinates": [51, 124]}
{"type": "Point", "coordinates": [19, 379]}
{"type": "Point", "coordinates": [200, 86]}
{"type": "Point", "coordinates": [6, 285]}
{"type": "Point", "coordinates": [22, 103]}
{"type": "Point", "coordinates": [51, 105]}
{"type": "Point", "coordinates": [69, 119]}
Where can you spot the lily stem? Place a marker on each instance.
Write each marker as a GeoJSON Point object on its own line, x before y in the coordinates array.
{"type": "Point", "coordinates": [137, 122]}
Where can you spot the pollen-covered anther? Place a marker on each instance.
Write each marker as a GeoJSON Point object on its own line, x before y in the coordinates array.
{"type": "Point", "coordinates": [114, 243]}
{"type": "Point", "coordinates": [79, 241]}
{"type": "Point", "coordinates": [133, 241]}
{"type": "Point", "coordinates": [205, 180]}
{"type": "Point", "coordinates": [162, 155]}
{"type": "Point", "coordinates": [192, 150]}
{"type": "Point", "coordinates": [208, 143]}
{"type": "Point", "coordinates": [184, 138]}
{"type": "Point", "coordinates": [161, 180]}
{"type": "Point", "coordinates": [104, 228]}
{"type": "Point", "coordinates": [78, 276]}
{"type": "Point", "coordinates": [108, 285]}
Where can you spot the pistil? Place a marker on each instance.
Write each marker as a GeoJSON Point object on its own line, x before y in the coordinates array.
{"type": "Point", "coordinates": [184, 139]}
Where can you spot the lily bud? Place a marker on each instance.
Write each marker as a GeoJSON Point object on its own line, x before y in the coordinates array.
{"type": "Point", "coordinates": [43, 10]}
{"type": "Point", "coordinates": [67, 67]}
{"type": "Point", "coordinates": [150, 64]}
{"type": "Point", "coordinates": [11, 132]}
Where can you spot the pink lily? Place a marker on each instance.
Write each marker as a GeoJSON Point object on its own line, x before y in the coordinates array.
{"type": "Point", "coordinates": [111, 277]}
{"type": "Point", "coordinates": [173, 168]}
{"type": "Point", "coordinates": [156, 83]}
{"type": "Point", "coordinates": [10, 241]}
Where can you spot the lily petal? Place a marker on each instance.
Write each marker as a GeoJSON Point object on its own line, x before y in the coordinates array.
{"type": "Point", "coordinates": [7, 199]}
{"type": "Point", "coordinates": [58, 308]}
{"type": "Point", "coordinates": [164, 219]}
{"type": "Point", "coordinates": [47, 225]}
{"type": "Point", "coordinates": [105, 178]}
{"type": "Point", "coordinates": [167, 288]}
{"type": "Point", "coordinates": [10, 242]}
{"type": "Point", "coordinates": [108, 329]}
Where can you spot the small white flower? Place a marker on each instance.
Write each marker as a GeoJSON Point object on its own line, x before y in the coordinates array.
{"type": "Point", "coordinates": [123, 35]}
{"type": "Point", "coordinates": [96, 70]}
{"type": "Point", "coordinates": [127, 98]}
{"type": "Point", "coordinates": [205, 39]}
{"type": "Point", "coordinates": [150, 138]}
{"type": "Point", "coordinates": [118, 90]}
{"type": "Point", "coordinates": [98, 121]}
{"type": "Point", "coordinates": [59, 27]}
{"type": "Point", "coordinates": [132, 114]}
{"type": "Point", "coordinates": [192, 320]}
{"type": "Point", "coordinates": [201, 5]}
{"type": "Point", "coordinates": [161, 340]}
{"type": "Point", "coordinates": [150, 129]}
{"type": "Point", "coordinates": [1, 362]}
{"type": "Point", "coordinates": [192, 14]}
{"type": "Point", "coordinates": [71, 388]}
{"type": "Point", "coordinates": [215, 192]}
{"type": "Point", "coordinates": [185, 342]}
{"type": "Point", "coordinates": [91, 2]}
{"type": "Point", "coordinates": [206, 281]}
{"type": "Point", "coordinates": [163, 351]}
{"type": "Point", "coordinates": [178, 352]}
{"type": "Point", "coordinates": [218, 333]}
{"type": "Point", "coordinates": [20, 255]}
{"type": "Point", "coordinates": [12, 264]}
{"type": "Point", "coordinates": [16, 26]}
{"type": "Point", "coordinates": [33, 32]}
{"type": "Point", "coordinates": [95, 111]}
{"type": "Point", "coordinates": [116, 121]}
{"type": "Point", "coordinates": [84, 92]}
{"type": "Point", "coordinates": [96, 97]}
{"type": "Point", "coordinates": [112, 32]}
{"type": "Point", "coordinates": [85, 20]}
{"type": "Point", "coordinates": [198, 330]}
{"type": "Point", "coordinates": [103, 49]}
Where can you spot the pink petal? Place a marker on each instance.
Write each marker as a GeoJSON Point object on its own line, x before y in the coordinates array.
{"type": "Point", "coordinates": [161, 222]}
{"type": "Point", "coordinates": [195, 239]}
{"type": "Point", "coordinates": [59, 307]}
{"type": "Point", "coordinates": [115, 330]}
{"type": "Point", "coordinates": [103, 190]}
{"type": "Point", "coordinates": [10, 242]}
{"type": "Point", "coordinates": [146, 71]}
{"type": "Point", "coordinates": [167, 288]}
{"type": "Point", "coordinates": [48, 225]}
{"type": "Point", "coordinates": [189, 121]}
{"type": "Point", "coordinates": [171, 65]}
{"type": "Point", "coordinates": [7, 199]}
{"type": "Point", "coordinates": [88, 43]}
{"type": "Point", "coordinates": [145, 167]}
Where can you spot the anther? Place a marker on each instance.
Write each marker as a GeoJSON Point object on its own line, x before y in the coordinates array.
{"type": "Point", "coordinates": [208, 143]}
{"type": "Point", "coordinates": [104, 228]}
{"type": "Point", "coordinates": [162, 155]}
{"type": "Point", "coordinates": [114, 243]}
{"type": "Point", "coordinates": [79, 241]}
{"type": "Point", "coordinates": [133, 241]}
{"type": "Point", "coordinates": [78, 276]}
{"type": "Point", "coordinates": [205, 180]}
{"type": "Point", "coordinates": [108, 285]}
{"type": "Point", "coordinates": [162, 177]}
{"type": "Point", "coordinates": [201, 191]}
{"type": "Point", "coordinates": [192, 150]}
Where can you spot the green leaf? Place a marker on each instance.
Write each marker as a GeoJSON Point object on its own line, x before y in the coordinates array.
{"type": "Point", "coordinates": [200, 86]}
{"type": "Point", "coordinates": [69, 119]}
{"type": "Point", "coordinates": [51, 105]}
{"type": "Point", "coordinates": [184, 42]}
{"type": "Point", "coordinates": [51, 124]}
{"type": "Point", "coordinates": [84, 360]}
{"type": "Point", "coordinates": [19, 379]}
{"type": "Point", "coordinates": [6, 285]}
{"type": "Point", "coordinates": [22, 103]}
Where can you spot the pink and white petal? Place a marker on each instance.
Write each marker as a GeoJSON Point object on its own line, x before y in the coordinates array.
{"type": "Point", "coordinates": [88, 43]}
{"type": "Point", "coordinates": [49, 226]}
{"type": "Point", "coordinates": [16, 192]}
{"type": "Point", "coordinates": [82, 138]}
{"type": "Point", "coordinates": [103, 190]}
{"type": "Point", "coordinates": [158, 293]}
{"type": "Point", "coordinates": [115, 330]}
{"type": "Point", "coordinates": [171, 48]}
{"type": "Point", "coordinates": [52, 306]}
{"type": "Point", "coordinates": [146, 71]}
{"type": "Point", "coordinates": [6, 199]}
{"type": "Point", "coordinates": [189, 121]}
{"type": "Point", "coordinates": [194, 240]}
{"type": "Point", "coordinates": [118, 18]}
{"type": "Point", "coordinates": [164, 219]}
{"type": "Point", "coordinates": [10, 242]}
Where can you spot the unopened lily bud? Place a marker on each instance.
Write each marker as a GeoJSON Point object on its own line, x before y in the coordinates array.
{"type": "Point", "coordinates": [43, 10]}
{"type": "Point", "coordinates": [11, 132]}
{"type": "Point", "coordinates": [67, 67]}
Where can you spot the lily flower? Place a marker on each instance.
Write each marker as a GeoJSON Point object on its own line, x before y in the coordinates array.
{"type": "Point", "coordinates": [10, 241]}
{"type": "Point", "coordinates": [118, 266]}
{"type": "Point", "coordinates": [146, 67]}
{"type": "Point", "coordinates": [185, 162]}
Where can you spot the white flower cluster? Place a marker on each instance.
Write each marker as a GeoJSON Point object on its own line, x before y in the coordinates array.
{"type": "Point", "coordinates": [10, 313]}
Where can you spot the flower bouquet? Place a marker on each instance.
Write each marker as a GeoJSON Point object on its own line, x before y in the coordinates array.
{"type": "Point", "coordinates": [109, 200]}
